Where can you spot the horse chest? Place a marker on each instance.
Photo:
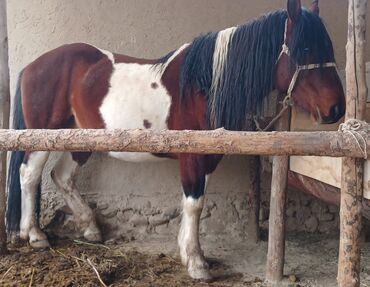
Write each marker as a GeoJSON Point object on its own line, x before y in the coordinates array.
{"type": "Point", "coordinates": [136, 100]}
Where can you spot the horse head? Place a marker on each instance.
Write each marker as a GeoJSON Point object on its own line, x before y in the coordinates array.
{"type": "Point", "coordinates": [306, 68]}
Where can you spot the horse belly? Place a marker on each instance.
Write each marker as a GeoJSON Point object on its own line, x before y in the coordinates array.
{"type": "Point", "coordinates": [136, 100]}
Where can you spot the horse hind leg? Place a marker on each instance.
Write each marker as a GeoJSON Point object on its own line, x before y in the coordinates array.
{"type": "Point", "coordinates": [63, 176]}
{"type": "Point", "coordinates": [30, 179]}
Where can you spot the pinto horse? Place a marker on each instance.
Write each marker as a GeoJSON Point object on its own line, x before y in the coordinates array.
{"type": "Point", "coordinates": [219, 80]}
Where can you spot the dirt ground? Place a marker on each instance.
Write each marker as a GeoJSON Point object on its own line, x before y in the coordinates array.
{"type": "Point", "coordinates": [78, 263]}
{"type": "Point", "coordinates": [311, 261]}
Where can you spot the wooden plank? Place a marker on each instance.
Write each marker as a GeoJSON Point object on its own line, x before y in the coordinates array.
{"type": "Point", "coordinates": [327, 170]}
{"type": "Point", "coordinates": [4, 116]}
{"type": "Point", "coordinates": [324, 169]}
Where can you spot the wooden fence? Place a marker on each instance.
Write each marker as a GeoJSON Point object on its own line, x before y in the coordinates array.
{"type": "Point", "coordinates": [352, 145]}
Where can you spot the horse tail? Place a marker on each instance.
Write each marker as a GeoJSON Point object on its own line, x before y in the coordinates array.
{"type": "Point", "coordinates": [13, 212]}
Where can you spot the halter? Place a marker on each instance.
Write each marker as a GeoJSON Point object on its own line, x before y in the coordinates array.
{"type": "Point", "coordinates": [287, 102]}
{"type": "Point", "coordinates": [299, 68]}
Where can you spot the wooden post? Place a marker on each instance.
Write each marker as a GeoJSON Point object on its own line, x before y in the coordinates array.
{"type": "Point", "coordinates": [352, 169]}
{"type": "Point", "coordinates": [4, 116]}
{"type": "Point", "coordinates": [276, 242]}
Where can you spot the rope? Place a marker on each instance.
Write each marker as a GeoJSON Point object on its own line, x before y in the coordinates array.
{"type": "Point", "coordinates": [287, 103]}
{"type": "Point", "coordinates": [353, 127]}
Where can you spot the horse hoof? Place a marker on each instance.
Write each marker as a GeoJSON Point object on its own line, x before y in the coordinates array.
{"type": "Point", "coordinates": [38, 239]}
{"type": "Point", "coordinates": [40, 244]}
{"type": "Point", "coordinates": [93, 235]}
{"type": "Point", "coordinates": [202, 274]}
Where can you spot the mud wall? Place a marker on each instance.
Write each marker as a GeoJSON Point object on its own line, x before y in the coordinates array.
{"type": "Point", "coordinates": [137, 199]}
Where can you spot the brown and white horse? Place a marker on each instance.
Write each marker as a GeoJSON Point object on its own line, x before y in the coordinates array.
{"type": "Point", "coordinates": [219, 80]}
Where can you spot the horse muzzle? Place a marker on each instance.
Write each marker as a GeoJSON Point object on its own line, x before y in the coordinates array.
{"type": "Point", "coordinates": [335, 114]}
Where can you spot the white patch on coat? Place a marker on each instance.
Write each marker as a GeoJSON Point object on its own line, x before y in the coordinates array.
{"type": "Point", "coordinates": [108, 54]}
{"type": "Point", "coordinates": [30, 178]}
{"type": "Point", "coordinates": [136, 95]}
{"type": "Point", "coordinates": [219, 60]}
{"type": "Point", "coordinates": [164, 66]}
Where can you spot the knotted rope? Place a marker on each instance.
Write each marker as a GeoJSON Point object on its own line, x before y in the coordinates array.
{"type": "Point", "coordinates": [353, 127]}
{"type": "Point", "coordinates": [287, 103]}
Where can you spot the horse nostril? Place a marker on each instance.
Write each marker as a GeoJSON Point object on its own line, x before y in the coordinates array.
{"type": "Point", "coordinates": [336, 112]}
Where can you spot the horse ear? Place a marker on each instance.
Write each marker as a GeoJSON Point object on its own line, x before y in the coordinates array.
{"type": "Point", "coordinates": [294, 9]}
{"type": "Point", "coordinates": [315, 7]}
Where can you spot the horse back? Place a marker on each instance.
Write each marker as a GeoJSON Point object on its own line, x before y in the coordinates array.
{"type": "Point", "coordinates": [48, 82]}
{"type": "Point", "coordinates": [81, 86]}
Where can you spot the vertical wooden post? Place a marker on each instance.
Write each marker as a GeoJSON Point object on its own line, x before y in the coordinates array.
{"type": "Point", "coordinates": [276, 243]}
{"type": "Point", "coordinates": [4, 115]}
{"type": "Point", "coordinates": [352, 169]}
{"type": "Point", "coordinates": [254, 199]}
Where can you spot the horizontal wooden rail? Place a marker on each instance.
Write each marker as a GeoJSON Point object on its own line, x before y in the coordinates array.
{"type": "Point", "coordinates": [335, 144]}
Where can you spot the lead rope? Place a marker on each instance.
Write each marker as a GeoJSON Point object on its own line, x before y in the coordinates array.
{"type": "Point", "coordinates": [287, 103]}
{"type": "Point", "coordinates": [353, 127]}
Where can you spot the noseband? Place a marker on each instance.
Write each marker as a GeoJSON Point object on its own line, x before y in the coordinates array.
{"type": "Point", "coordinates": [285, 50]}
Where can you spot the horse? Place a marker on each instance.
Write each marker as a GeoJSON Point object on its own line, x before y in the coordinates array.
{"type": "Point", "coordinates": [219, 80]}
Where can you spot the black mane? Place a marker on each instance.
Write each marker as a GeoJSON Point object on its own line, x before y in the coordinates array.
{"type": "Point", "coordinates": [248, 76]}
{"type": "Point", "coordinates": [311, 39]}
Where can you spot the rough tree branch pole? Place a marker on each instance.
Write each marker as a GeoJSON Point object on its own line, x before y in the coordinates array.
{"type": "Point", "coordinates": [352, 169]}
{"type": "Point", "coordinates": [276, 242]}
{"type": "Point", "coordinates": [335, 144]}
{"type": "Point", "coordinates": [4, 114]}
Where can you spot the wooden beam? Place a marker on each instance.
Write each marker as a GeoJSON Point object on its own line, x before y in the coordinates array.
{"type": "Point", "coordinates": [276, 242]}
{"type": "Point", "coordinates": [336, 144]}
{"type": "Point", "coordinates": [352, 169]}
{"type": "Point", "coordinates": [4, 116]}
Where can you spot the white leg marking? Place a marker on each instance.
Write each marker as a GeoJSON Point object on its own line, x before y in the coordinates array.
{"type": "Point", "coordinates": [62, 175]}
{"type": "Point", "coordinates": [30, 177]}
{"type": "Point", "coordinates": [188, 240]}
{"type": "Point", "coordinates": [219, 61]}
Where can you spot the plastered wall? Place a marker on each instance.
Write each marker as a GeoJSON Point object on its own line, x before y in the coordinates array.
{"type": "Point", "coordinates": [144, 198]}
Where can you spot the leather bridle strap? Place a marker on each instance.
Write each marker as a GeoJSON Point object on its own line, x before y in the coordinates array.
{"type": "Point", "coordinates": [299, 68]}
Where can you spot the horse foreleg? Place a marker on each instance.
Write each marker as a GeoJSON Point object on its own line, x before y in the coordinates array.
{"type": "Point", "coordinates": [63, 176]}
{"type": "Point", "coordinates": [193, 182]}
{"type": "Point", "coordinates": [30, 178]}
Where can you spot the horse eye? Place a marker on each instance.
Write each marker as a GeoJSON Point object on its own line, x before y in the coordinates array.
{"type": "Point", "coordinates": [306, 50]}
